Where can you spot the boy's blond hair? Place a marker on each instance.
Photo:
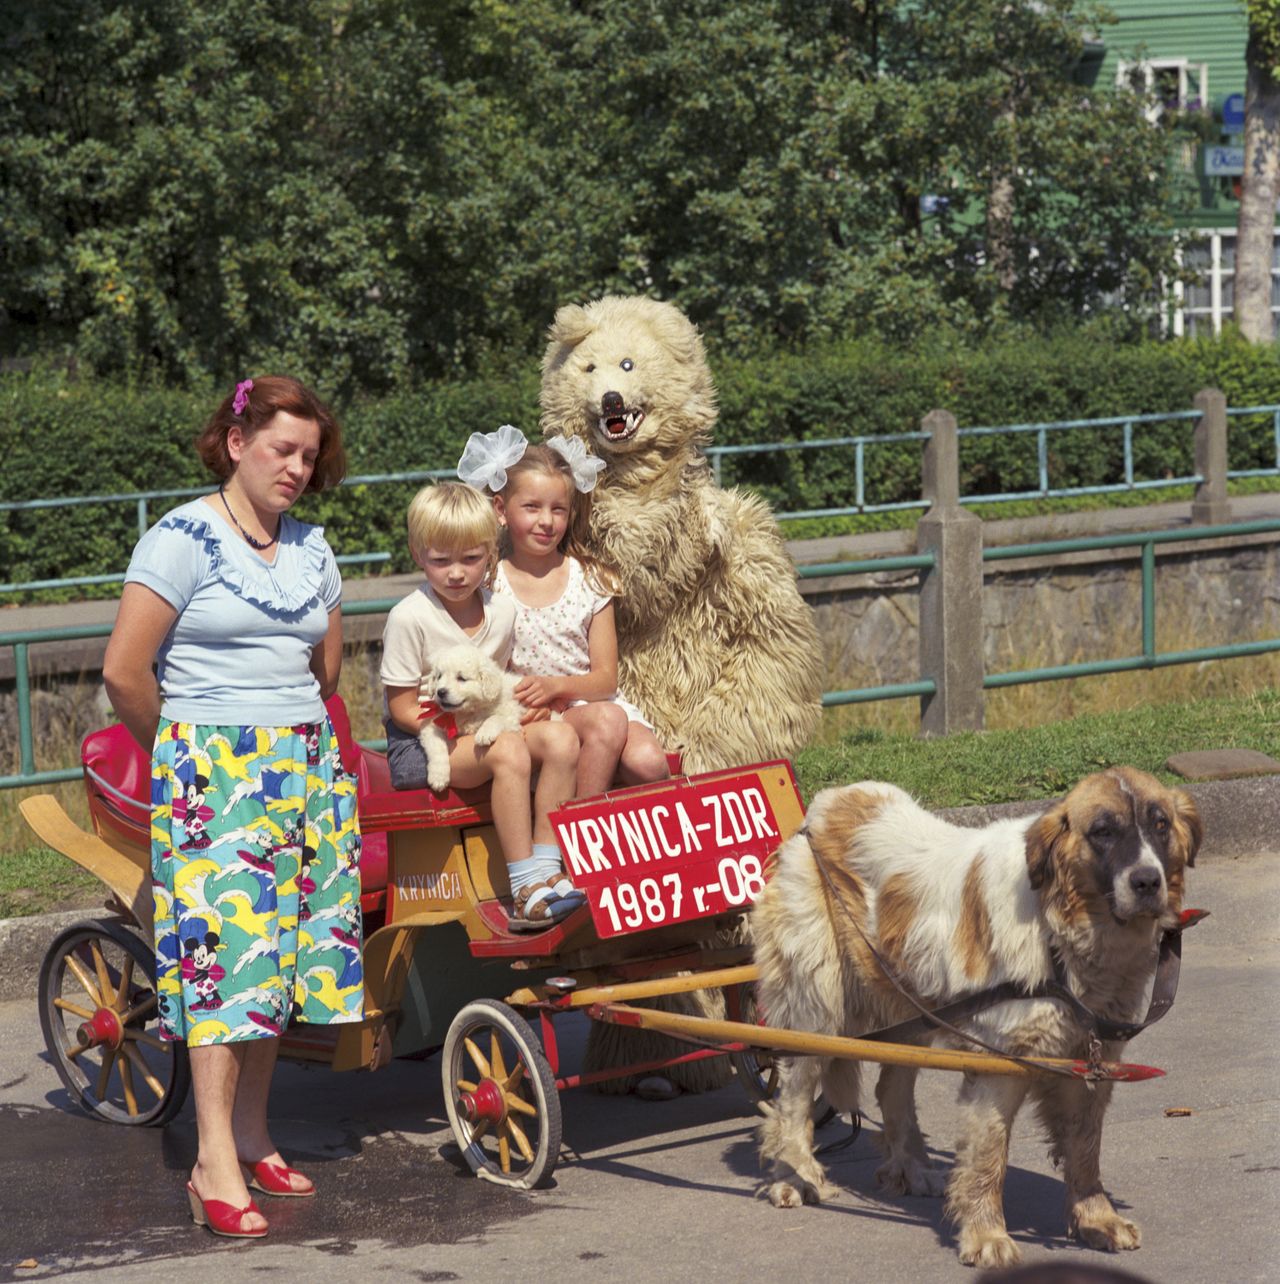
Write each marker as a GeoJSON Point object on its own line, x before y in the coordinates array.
{"type": "Point", "coordinates": [451, 516]}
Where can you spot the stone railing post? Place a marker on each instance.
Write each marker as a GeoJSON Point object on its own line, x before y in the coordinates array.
{"type": "Point", "coordinates": [1211, 507]}
{"type": "Point", "coordinates": [950, 591]}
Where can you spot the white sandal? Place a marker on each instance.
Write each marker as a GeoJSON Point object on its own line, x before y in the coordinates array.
{"type": "Point", "coordinates": [565, 890]}
{"type": "Point", "coordinates": [536, 907]}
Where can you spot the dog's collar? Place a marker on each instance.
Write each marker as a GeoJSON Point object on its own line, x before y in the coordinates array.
{"type": "Point", "coordinates": [430, 711]}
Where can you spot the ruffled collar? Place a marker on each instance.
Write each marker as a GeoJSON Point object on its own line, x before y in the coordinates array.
{"type": "Point", "coordinates": [287, 586]}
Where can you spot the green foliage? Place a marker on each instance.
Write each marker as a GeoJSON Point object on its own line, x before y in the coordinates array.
{"type": "Point", "coordinates": [364, 190]}
{"type": "Point", "coordinates": [62, 436]}
{"type": "Point", "coordinates": [1264, 33]}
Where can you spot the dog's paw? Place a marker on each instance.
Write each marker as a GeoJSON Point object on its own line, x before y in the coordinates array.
{"type": "Point", "coordinates": [1111, 1233]}
{"type": "Point", "coordinates": [905, 1176]}
{"type": "Point", "coordinates": [988, 1248]}
{"type": "Point", "coordinates": [782, 1194]}
{"type": "Point", "coordinates": [438, 778]}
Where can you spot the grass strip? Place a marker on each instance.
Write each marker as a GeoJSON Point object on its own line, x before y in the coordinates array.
{"type": "Point", "coordinates": [37, 880]}
{"type": "Point", "coordinates": [985, 767]}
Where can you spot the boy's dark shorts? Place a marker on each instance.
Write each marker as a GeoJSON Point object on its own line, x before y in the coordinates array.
{"type": "Point", "coordinates": [405, 758]}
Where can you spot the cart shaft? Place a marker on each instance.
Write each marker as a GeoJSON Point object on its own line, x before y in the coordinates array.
{"type": "Point", "coordinates": [802, 1043]}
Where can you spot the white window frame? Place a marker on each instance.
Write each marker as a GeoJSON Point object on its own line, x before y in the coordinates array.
{"type": "Point", "coordinates": [1216, 313]}
{"type": "Point", "coordinates": [1149, 67]}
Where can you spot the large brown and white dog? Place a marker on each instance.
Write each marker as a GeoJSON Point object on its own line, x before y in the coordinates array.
{"type": "Point", "coordinates": [1096, 878]}
{"type": "Point", "coordinates": [715, 643]}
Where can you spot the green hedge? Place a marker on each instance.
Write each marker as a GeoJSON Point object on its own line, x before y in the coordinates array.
{"type": "Point", "coordinates": [62, 436]}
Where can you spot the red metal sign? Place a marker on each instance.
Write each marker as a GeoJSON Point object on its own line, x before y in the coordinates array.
{"type": "Point", "coordinates": [690, 848]}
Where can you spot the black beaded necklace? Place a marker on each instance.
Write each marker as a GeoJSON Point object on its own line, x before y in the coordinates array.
{"type": "Point", "coordinates": [253, 543]}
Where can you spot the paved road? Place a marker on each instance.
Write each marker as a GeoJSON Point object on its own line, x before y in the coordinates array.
{"type": "Point", "coordinates": [659, 1192]}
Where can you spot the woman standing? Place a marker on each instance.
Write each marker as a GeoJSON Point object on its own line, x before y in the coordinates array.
{"type": "Point", "coordinates": [255, 845]}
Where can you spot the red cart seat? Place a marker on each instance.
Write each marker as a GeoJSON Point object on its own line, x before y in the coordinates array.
{"type": "Point", "coordinates": [117, 777]}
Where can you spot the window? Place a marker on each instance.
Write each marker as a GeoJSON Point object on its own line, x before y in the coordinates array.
{"type": "Point", "coordinates": [1201, 307]}
{"type": "Point", "coordinates": [1173, 84]}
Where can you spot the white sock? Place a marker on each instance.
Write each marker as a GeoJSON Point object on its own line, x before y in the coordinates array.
{"type": "Point", "coordinates": [524, 872]}
{"type": "Point", "coordinates": [546, 857]}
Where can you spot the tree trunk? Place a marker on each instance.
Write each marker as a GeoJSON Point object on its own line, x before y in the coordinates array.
{"type": "Point", "coordinates": [1000, 210]}
{"type": "Point", "coordinates": [1259, 192]}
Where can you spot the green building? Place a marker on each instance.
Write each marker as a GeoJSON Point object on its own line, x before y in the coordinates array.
{"type": "Point", "coordinates": [1191, 55]}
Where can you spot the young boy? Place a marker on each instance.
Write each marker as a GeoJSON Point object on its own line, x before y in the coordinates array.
{"type": "Point", "coordinates": [453, 537]}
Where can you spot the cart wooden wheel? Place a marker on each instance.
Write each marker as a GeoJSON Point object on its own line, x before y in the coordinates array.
{"type": "Point", "coordinates": [501, 1095]}
{"type": "Point", "coordinates": [757, 1068]}
{"type": "Point", "coordinates": [100, 1017]}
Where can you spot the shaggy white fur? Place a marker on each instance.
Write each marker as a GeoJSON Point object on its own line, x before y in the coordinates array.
{"type": "Point", "coordinates": [715, 643]}
{"type": "Point", "coordinates": [479, 695]}
{"type": "Point", "coordinates": [1095, 879]}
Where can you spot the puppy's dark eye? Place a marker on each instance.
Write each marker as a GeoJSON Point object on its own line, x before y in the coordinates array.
{"type": "Point", "coordinates": [1103, 827]}
{"type": "Point", "coordinates": [591, 367]}
{"type": "Point", "coordinates": [627, 364]}
{"type": "Point", "coordinates": [1160, 823]}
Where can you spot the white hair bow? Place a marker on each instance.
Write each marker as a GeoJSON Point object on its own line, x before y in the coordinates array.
{"type": "Point", "coordinates": [488, 455]}
{"type": "Point", "coordinates": [586, 468]}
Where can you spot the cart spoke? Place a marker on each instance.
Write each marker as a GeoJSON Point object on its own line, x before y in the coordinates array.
{"type": "Point", "coordinates": [126, 976]}
{"type": "Point", "coordinates": [465, 1085]}
{"type": "Point", "coordinates": [513, 1080]}
{"type": "Point", "coordinates": [141, 1008]}
{"type": "Point", "coordinates": [504, 1152]}
{"type": "Point", "coordinates": [90, 986]}
{"type": "Point", "coordinates": [141, 1036]}
{"type": "Point", "coordinates": [135, 1057]}
{"type": "Point", "coordinates": [477, 1058]}
{"type": "Point", "coordinates": [521, 1140]}
{"type": "Point", "coordinates": [495, 1057]}
{"type": "Point", "coordinates": [479, 1129]}
{"type": "Point", "coordinates": [515, 1102]}
{"type": "Point", "coordinates": [104, 977]}
{"type": "Point", "coordinates": [73, 1050]}
{"type": "Point", "coordinates": [83, 1013]}
{"type": "Point", "coordinates": [126, 1081]}
{"type": "Point", "coordinates": [104, 1075]}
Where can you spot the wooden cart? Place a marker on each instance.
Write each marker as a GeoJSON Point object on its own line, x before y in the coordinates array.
{"type": "Point", "coordinates": [666, 868]}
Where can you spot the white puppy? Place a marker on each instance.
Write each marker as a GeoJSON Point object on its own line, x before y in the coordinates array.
{"type": "Point", "coordinates": [479, 697]}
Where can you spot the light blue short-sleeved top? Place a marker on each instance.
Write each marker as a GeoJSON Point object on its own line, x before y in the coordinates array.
{"type": "Point", "coordinates": [239, 652]}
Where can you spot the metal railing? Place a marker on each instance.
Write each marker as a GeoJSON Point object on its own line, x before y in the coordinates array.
{"type": "Point", "coordinates": [859, 446]}
{"type": "Point", "coordinates": [1150, 657]}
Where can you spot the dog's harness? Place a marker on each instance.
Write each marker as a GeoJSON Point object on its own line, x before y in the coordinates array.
{"type": "Point", "coordinates": [1098, 1028]}
{"type": "Point", "coordinates": [432, 712]}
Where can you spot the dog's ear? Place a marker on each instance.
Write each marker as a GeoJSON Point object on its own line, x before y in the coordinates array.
{"type": "Point", "coordinates": [1187, 824]}
{"type": "Point", "coordinates": [489, 679]}
{"type": "Point", "coordinates": [1042, 837]}
{"type": "Point", "coordinates": [570, 326]}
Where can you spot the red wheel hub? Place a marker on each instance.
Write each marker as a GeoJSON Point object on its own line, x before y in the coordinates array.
{"type": "Point", "coordinates": [103, 1027]}
{"type": "Point", "coordinates": [485, 1103]}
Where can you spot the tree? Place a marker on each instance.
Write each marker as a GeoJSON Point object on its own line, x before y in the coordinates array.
{"type": "Point", "coordinates": [359, 190]}
{"type": "Point", "coordinates": [1260, 189]}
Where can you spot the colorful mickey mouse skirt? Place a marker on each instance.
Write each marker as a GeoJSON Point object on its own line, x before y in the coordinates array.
{"type": "Point", "coordinates": [255, 864]}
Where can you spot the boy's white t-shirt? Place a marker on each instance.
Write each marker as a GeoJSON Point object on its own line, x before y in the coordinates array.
{"type": "Point", "coordinates": [418, 627]}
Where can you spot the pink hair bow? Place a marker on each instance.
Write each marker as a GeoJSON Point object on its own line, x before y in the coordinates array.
{"type": "Point", "coordinates": [241, 399]}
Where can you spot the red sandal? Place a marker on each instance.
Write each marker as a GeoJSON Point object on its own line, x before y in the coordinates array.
{"type": "Point", "coordinates": [221, 1218]}
{"type": "Point", "coordinates": [277, 1179]}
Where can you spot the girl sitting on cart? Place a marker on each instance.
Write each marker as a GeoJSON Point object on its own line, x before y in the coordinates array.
{"type": "Point", "coordinates": [565, 642]}
{"type": "Point", "coordinates": [453, 536]}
